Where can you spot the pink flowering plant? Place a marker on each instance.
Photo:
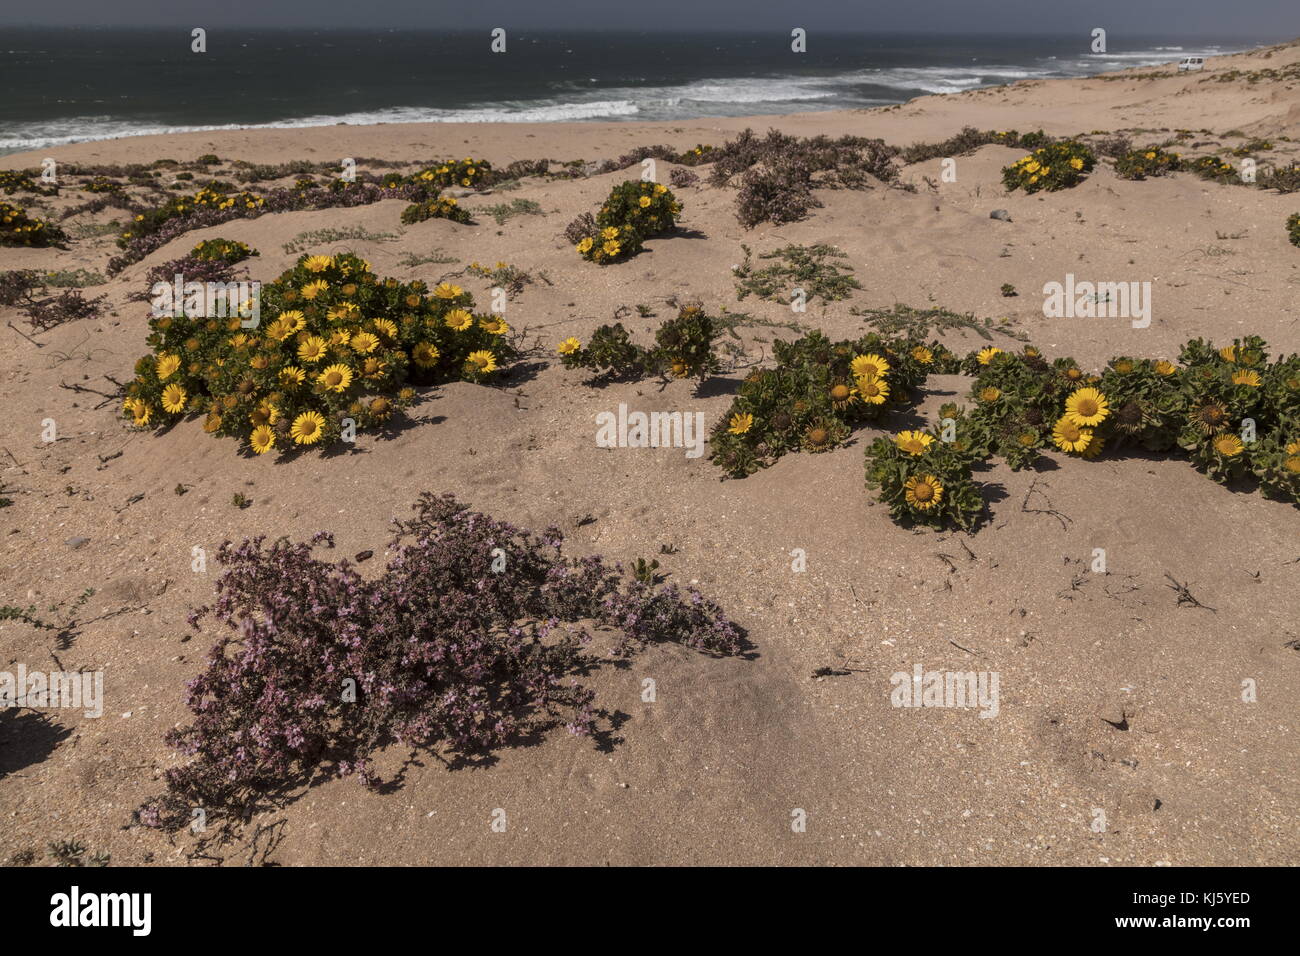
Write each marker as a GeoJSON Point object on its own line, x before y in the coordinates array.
{"type": "Point", "coordinates": [471, 639]}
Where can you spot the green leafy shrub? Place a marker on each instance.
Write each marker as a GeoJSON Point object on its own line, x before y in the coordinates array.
{"type": "Point", "coordinates": [466, 173]}
{"type": "Point", "coordinates": [223, 250]}
{"type": "Point", "coordinates": [819, 391]}
{"type": "Point", "coordinates": [1252, 146]}
{"type": "Point", "coordinates": [1141, 163]}
{"type": "Point", "coordinates": [1275, 463]}
{"type": "Point", "coordinates": [336, 343]}
{"type": "Point", "coordinates": [924, 480]}
{"type": "Point", "coordinates": [633, 212]}
{"type": "Point", "coordinates": [1285, 179]}
{"type": "Point", "coordinates": [684, 344]}
{"type": "Point", "coordinates": [16, 180]}
{"type": "Point", "coordinates": [1293, 228]}
{"type": "Point", "coordinates": [812, 269]}
{"type": "Point", "coordinates": [904, 321]}
{"type": "Point", "coordinates": [1233, 412]}
{"type": "Point", "coordinates": [440, 207]}
{"type": "Point", "coordinates": [503, 212]}
{"type": "Point", "coordinates": [1057, 165]}
{"type": "Point", "coordinates": [19, 229]}
{"type": "Point", "coordinates": [683, 349]}
{"type": "Point", "coordinates": [1211, 167]}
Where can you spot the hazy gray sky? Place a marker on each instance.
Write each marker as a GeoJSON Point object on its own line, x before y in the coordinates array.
{"type": "Point", "coordinates": [1241, 18]}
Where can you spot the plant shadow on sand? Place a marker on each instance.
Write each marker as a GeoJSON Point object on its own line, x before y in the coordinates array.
{"type": "Point", "coordinates": [27, 737]}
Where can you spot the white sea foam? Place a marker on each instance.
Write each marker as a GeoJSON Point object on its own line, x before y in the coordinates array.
{"type": "Point", "coordinates": [574, 101]}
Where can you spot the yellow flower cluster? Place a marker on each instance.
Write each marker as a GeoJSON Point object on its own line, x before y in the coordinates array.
{"type": "Point", "coordinates": [335, 358]}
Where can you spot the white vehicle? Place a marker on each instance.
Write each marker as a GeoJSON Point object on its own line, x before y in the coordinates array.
{"type": "Point", "coordinates": [1191, 63]}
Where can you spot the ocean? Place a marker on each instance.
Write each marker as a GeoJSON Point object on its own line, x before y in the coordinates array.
{"type": "Point", "coordinates": [71, 85]}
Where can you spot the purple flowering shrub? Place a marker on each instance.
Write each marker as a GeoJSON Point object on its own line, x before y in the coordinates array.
{"type": "Point", "coordinates": [470, 639]}
{"type": "Point", "coordinates": [287, 199]}
{"type": "Point", "coordinates": [191, 267]}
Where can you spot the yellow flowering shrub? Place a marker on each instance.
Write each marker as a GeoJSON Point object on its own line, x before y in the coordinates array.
{"type": "Point", "coordinates": [467, 173]}
{"type": "Point", "coordinates": [19, 229]}
{"type": "Point", "coordinates": [210, 197]}
{"type": "Point", "coordinates": [633, 211]}
{"type": "Point", "coordinates": [1151, 161]}
{"type": "Point", "coordinates": [1054, 166]}
{"type": "Point", "coordinates": [334, 352]}
{"type": "Point", "coordinates": [440, 207]}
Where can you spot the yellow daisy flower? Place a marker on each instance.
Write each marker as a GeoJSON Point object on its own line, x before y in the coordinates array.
{"type": "Point", "coordinates": [481, 361]}
{"type": "Point", "coordinates": [173, 399]}
{"type": "Point", "coordinates": [312, 349]}
{"type": "Point", "coordinates": [313, 289]}
{"type": "Point", "coordinates": [446, 290]}
{"type": "Point", "coordinates": [262, 439]}
{"type": "Point", "coordinates": [318, 263]}
{"type": "Point", "coordinates": [568, 346]}
{"type": "Point", "coordinates": [740, 424]}
{"type": "Point", "coordinates": [923, 492]}
{"type": "Point", "coordinates": [365, 342]}
{"type": "Point", "coordinates": [335, 378]}
{"type": "Point", "coordinates": [167, 365]}
{"type": "Point", "coordinates": [1069, 435]}
{"type": "Point", "coordinates": [873, 391]}
{"type": "Point", "coordinates": [869, 366]}
{"type": "Point", "coordinates": [279, 330]}
{"type": "Point", "coordinates": [1246, 376]}
{"type": "Point", "coordinates": [1087, 407]}
{"type": "Point", "coordinates": [986, 354]}
{"type": "Point", "coordinates": [1229, 446]}
{"type": "Point", "coordinates": [425, 355]}
{"type": "Point", "coordinates": [459, 320]}
{"type": "Point", "coordinates": [494, 325]}
{"type": "Point", "coordinates": [264, 414]}
{"type": "Point", "coordinates": [308, 428]}
{"type": "Point", "coordinates": [913, 442]}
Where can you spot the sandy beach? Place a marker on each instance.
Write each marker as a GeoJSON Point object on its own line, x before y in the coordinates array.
{"type": "Point", "coordinates": [1117, 699]}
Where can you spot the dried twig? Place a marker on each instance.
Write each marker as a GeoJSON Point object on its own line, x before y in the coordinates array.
{"type": "Point", "coordinates": [1185, 596]}
{"type": "Point", "coordinates": [1049, 510]}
